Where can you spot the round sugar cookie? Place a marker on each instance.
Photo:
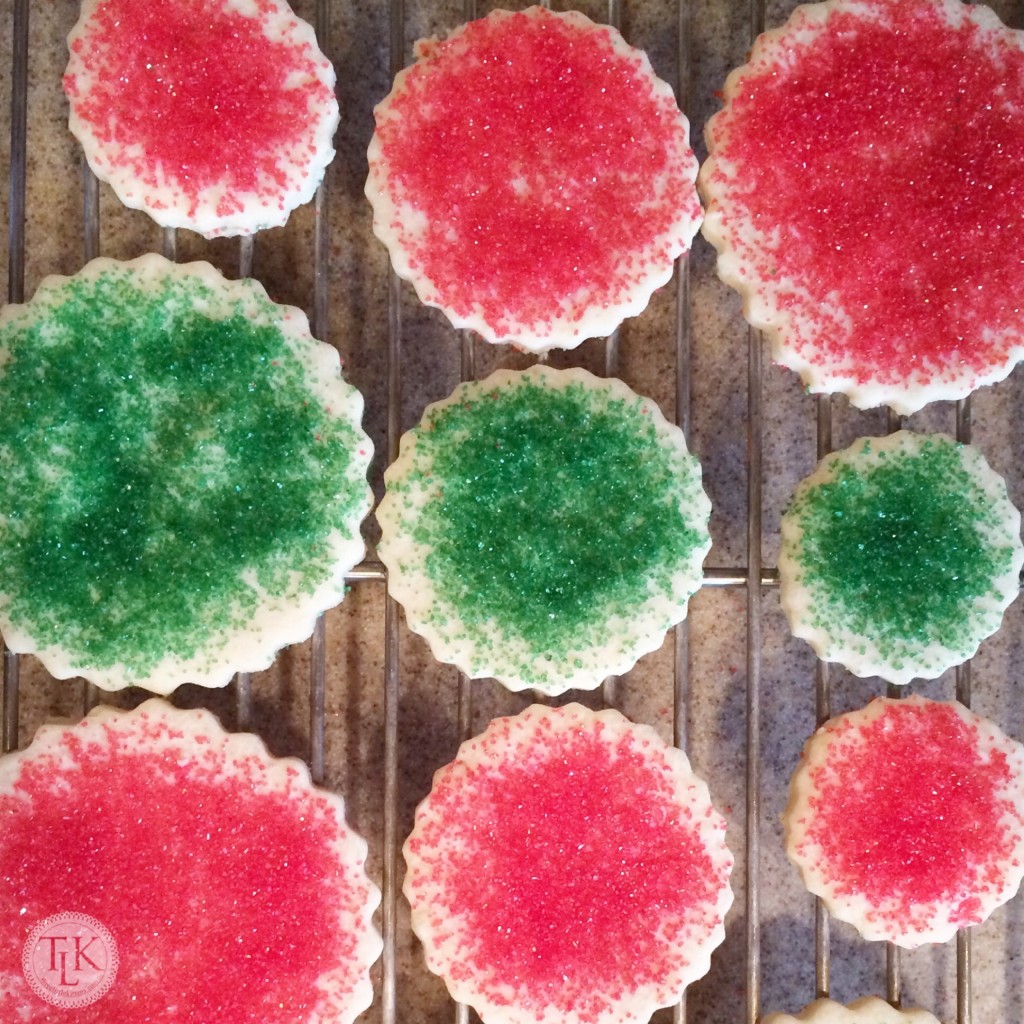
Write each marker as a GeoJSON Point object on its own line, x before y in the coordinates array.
{"type": "Point", "coordinates": [907, 818]}
{"type": "Point", "coordinates": [214, 115]}
{"type": "Point", "coordinates": [899, 555]}
{"type": "Point", "coordinates": [568, 868]}
{"type": "Point", "coordinates": [161, 871]}
{"type": "Point", "coordinates": [869, 1010]}
{"type": "Point", "coordinates": [544, 527]}
{"type": "Point", "coordinates": [567, 190]}
{"type": "Point", "coordinates": [863, 199]}
{"type": "Point", "coordinates": [182, 475]}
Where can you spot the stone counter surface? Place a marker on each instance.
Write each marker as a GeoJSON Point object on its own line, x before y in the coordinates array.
{"type": "Point", "coordinates": [424, 696]}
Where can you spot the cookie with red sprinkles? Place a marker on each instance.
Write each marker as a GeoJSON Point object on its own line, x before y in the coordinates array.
{"type": "Point", "coordinates": [900, 555]}
{"type": "Point", "coordinates": [157, 869]}
{"type": "Point", "coordinates": [907, 818]}
{"type": "Point", "coordinates": [568, 867]}
{"type": "Point", "coordinates": [533, 178]}
{"type": "Point", "coordinates": [214, 115]}
{"type": "Point", "coordinates": [869, 1010]}
{"type": "Point", "coordinates": [865, 201]}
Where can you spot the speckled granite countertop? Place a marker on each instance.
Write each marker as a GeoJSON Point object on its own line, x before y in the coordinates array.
{"type": "Point", "coordinates": [423, 695]}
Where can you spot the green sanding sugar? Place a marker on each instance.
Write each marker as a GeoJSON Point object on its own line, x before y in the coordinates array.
{"type": "Point", "coordinates": [156, 463]}
{"type": "Point", "coordinates": [901, 549]}
{"type": "Point", "coordinates": [556, 509]}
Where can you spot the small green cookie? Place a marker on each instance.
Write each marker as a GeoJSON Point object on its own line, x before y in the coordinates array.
{"type": "Point", "coordinates": [899, 555]}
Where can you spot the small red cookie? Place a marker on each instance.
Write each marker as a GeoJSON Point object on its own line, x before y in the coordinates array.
{"type": "Point", "coordinates": [907, 819]}
{"type": "Point", "coordinates": [214, 115]}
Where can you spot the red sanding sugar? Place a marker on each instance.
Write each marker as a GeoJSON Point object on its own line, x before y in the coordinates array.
{"type": "Point", "coordinates": [233, 890]}
{"type": "Point", "coordinates": [863, 185]}
{"type": "Point", "coordinates": [215, 108]}
{"type": "Point", "coordinates": [567, 862]}
{"type": "Point", "coordinates": [908, 814]}
{"type": "Point", "coordinates": [567, 176]}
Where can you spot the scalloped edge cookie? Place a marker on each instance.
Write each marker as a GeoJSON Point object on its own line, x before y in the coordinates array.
{"type": "Point", "coordinates": [771, 300]}
{"type": "Point", "coordinates": [192, 743]}
{"type": "Point", "coordinates": [589, 311]}
{"type": "Point", "coordinates": [815, 614]}
{"type": "Point", "coordinates": [279, 619]}
{"type": "Point", "coordinates": [869, 1010]}
{"type": "Point", "coordinates": [225, 207]}
{"type": "Point", "coordinates": [532, 744]}
{"type": "Point", "coordinates": [618, 636]}
{"type": "Point", "coordinates": [950, 743]}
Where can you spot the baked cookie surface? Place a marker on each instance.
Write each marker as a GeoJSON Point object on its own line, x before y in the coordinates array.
{"type": "Point", "coordinates": [183, 475]}
{"type": "Point", "coordinates": [213, 115]}
{"type": "Point", "coordinates": [543, 527]}
{"type": "Point", "coordinates": [163, 848]}
{"type": "Point", "coordinates": [870, 1010]}
{"type": "Point", "coordinates": [900, 555]}
{"type": "Point", "coordinates": [863, 200]}
{"type": "Point", "coordinates": [907, 818]}
{"type": "Point", "coordinates": [568, 868]}
{"type": "Point", "coordinates": [567, 189]}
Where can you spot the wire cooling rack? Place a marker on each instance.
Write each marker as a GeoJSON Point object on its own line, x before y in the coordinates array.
{"type": "Point", "coordinates": [363, 702]}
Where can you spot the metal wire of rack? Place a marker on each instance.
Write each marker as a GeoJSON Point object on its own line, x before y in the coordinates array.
{"type": "Point", "coordinates": [754, 580]}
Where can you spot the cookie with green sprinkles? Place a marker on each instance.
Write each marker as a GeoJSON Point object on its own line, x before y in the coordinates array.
{"type": "Point", "coordinates": [182, 475]}
{"type": "Point", "coordinates": [899, 555]}
{"type": "Point", "coordinates": [544, 527]}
